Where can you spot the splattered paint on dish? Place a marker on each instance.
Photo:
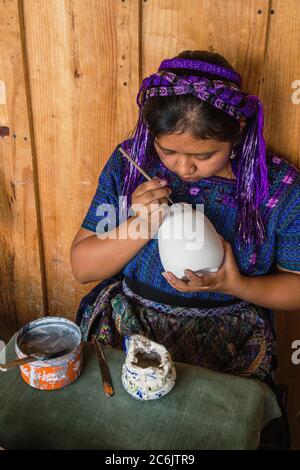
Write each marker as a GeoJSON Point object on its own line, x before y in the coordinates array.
{"type": "Point", "coordinates": [47, 336]}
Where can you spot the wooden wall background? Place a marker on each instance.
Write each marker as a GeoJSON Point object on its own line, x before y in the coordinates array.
{"type": "Point", "coordinates": [69, 74]}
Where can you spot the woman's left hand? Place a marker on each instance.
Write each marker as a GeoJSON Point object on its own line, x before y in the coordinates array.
{"type": "Point", "coordinates": [227, 279]}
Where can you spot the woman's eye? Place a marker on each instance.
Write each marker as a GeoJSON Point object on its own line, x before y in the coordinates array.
{"type": "Point", "coordinates": [166, 152]}
{"type": "Point", "coordinates": [204, 158]}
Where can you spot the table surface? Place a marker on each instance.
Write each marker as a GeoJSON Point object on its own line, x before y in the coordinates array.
{"type": "Point", "coordinates": [205, 410]}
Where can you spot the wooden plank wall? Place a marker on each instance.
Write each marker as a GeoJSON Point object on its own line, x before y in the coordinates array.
{"type": "Point", "coordinates": [23, 292]}
{"type": "Point", "coordinates": [281, 72]}
{"type": "Point", "coordinates": [69, 74]}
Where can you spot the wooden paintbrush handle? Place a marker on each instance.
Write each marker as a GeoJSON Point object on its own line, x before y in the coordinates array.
{"type": "Point", "coordinates": [139, 168]}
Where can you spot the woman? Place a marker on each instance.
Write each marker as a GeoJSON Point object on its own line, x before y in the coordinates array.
{"type": "Point", "coordinates": [200, 138]}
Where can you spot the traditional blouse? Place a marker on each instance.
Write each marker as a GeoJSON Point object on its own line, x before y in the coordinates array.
{"type": "Point", "coordinates": [280, 212]}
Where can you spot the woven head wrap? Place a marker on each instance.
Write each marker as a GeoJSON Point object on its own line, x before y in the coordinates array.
{"type": "Point", "coordinates": [249, 167]}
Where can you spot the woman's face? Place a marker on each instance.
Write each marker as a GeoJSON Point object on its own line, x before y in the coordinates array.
{"type": "Point", "coordinates": [193, 159]}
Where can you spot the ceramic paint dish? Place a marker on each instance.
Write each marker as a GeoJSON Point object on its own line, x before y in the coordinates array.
{"type": "Point", "coordinates": [148, 372]}
{"type": "Point", "coordinates": [49, 335]}
{"type": "Point", "coordinates": [188, 240]}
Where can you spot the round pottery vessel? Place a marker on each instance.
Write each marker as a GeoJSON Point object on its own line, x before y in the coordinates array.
{"type": "Point", "coordinates": [188, 240]}
{"type": "Point", "coordinates": [148, 372]}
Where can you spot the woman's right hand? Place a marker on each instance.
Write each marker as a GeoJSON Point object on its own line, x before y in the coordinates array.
{"type": "Point", "coordinates": [149, 200]}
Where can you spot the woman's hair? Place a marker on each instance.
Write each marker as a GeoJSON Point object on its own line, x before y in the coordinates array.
{"type": "Point", "coordinates": [176, 114]}
{"type": "Point", "coordinates": [187, 113]}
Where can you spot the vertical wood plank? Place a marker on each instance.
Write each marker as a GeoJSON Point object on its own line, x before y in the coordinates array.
{"type": "Point", "coordinates": [83, 75]}
{"type": "Point", "coordinates": [280, 75]}
{"type": "Point", "coordinates": [237, 30]}
{"type": "Point", "coordinates": [21, 291]}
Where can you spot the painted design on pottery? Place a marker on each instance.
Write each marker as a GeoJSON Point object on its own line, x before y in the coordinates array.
{"type": "Point", "coordinates": [148, 372]}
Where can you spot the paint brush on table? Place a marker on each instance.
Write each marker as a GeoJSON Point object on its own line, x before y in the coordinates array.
{"type": "Point", "coordinates": [139, 168]}
{"type": "Point", "coordinates": [106, 378]}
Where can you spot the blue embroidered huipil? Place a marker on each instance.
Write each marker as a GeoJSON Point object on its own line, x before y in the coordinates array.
{"type": "Point", "coordinates": [280, 213]}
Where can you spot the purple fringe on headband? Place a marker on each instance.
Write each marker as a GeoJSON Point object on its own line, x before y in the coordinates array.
{"type": "Point", "coordinates": [252, 179]}
{"type": "Point", "coordinates": [249, 166]}
{"type": "Point", "coordinates": [139, 148]}
{"type": "Point", "coordinates": [139, 154]}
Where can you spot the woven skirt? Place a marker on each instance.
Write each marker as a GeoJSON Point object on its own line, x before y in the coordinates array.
{"type": "Point", "coordinates": [239, 341]}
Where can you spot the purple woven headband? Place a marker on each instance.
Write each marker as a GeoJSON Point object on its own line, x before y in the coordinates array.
{"type": "Point", "coordinates": [228, 98]}
{"type": "Point", "coordinates": [250, 165]}
{"type": "Point", "coordinates": [201, 66]}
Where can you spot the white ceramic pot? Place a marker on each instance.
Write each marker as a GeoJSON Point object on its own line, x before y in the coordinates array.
{"type": "Point", "coordinates": [148, 372]}
{"type": "Point", "coordinates": [188, 240]}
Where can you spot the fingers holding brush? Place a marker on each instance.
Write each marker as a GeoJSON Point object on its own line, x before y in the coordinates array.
{"type": "Point", "coordinates": [153, 180]}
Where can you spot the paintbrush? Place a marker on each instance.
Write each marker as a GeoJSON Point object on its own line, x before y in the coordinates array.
{"type": "Point", "coordinates": [139, 168]}
{"type": "Point", "coordinates": [106, 378]}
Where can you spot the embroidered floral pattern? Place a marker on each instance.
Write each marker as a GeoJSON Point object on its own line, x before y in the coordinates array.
{"type": "Point", "coordinates": [194, 190]}
{"type": "Point", "coordinates": [272, 202]}
{"type": "Point", "coordinates": [208, 341]}
{"type": "Point", "coordinates": [218, 197]}
{"type": "Point", "coordinates": [288, 179]}
{"type": "Point", "coordinates": [276, 160]}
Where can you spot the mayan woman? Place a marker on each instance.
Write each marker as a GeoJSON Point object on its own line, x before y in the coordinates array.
{"type": "Point", "coordinates": [199, 137]}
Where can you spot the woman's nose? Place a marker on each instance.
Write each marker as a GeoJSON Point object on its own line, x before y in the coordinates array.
{"type": "Point", "coordinates": [184, 166]}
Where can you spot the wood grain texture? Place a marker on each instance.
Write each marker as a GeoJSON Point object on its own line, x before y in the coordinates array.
{"type": "Point", "coordinates": [238, 32]}
{"type": "Point", "coordinates": [83, 75]}
{"type": "Point", "coordinates": [282, 122]}
{"type": "Point", "coordinates": [21, 269]}
{"type": "Point", "coordinates": [70, 71]}
{"type": "Point", "coordinates": [280, 75]}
